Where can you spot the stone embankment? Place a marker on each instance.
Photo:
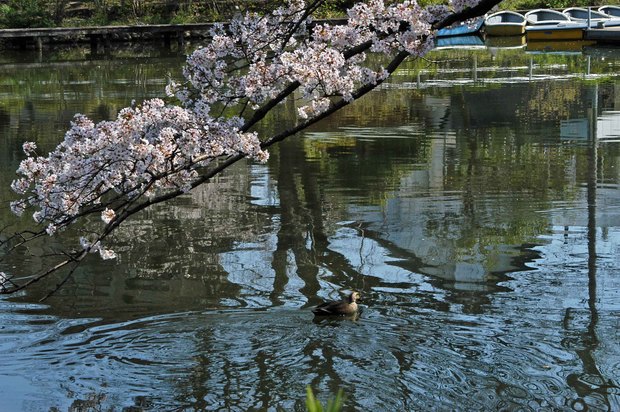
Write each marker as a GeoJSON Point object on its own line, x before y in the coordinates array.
{"type": "Point", "coordinates": [102, 36]}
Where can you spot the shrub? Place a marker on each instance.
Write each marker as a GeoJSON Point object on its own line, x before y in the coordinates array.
{"type": "Point", "coordinates": [25, 13]}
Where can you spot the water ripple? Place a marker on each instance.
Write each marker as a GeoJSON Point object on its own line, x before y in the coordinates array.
{"type": "Point", "coordinates": [237, 359]}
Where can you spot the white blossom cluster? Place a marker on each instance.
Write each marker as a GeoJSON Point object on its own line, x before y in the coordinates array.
{"type": "Point", "coordinates": [315, 58]}
{"type": "Point", "coordinates": [155, 147]}
{"type": "Point", "coordinates": [147, 148]}
{"type": "Point", "coordinates": [460, 5]}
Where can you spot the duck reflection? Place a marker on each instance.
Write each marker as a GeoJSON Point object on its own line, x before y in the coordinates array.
{"type": "Point", "coordinates": [336, 320]}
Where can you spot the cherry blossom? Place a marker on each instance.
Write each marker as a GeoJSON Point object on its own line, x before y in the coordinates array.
{"type": "Point", "coordinates": [108, 215]}
{"type": "Point", "coordinates": [157, 150]}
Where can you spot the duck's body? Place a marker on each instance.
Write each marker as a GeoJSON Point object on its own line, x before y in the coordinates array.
{"type": "Point", "coordinates": [345, 307]}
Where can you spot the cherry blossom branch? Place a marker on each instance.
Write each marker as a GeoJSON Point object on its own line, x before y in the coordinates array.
{"type": "Point", "coordinates": [155, 152]}
{"type": "Point", "coordinates": [471, 10]}
{"type": "Point", "coordinates": [392, 66]}
{"type": "Point", "coordinates": [73, 259]}
{"type": "Point", "coordinates": [129, 211]}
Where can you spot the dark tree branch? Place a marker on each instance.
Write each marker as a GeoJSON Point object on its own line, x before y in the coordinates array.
{"type": "Point", "coordinates": [480, 9]}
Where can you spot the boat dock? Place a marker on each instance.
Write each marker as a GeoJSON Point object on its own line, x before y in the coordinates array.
{"type": "Point", "coordinates": [102, 35]}
{"type": "Point", "coordinates": [99, 36]}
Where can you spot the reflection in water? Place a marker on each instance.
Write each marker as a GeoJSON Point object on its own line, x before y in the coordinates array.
{"type": "Point", "coordinates": [484, 244]}
{"type": "Point", "coordinates": [591, 385]}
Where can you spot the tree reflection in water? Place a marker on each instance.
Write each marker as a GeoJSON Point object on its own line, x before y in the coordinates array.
{"type": "Point", "coordinates": [440, 206]}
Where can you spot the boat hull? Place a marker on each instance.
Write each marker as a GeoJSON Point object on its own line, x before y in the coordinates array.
{"type": "Point", "coordinates": [504, 23]}
{"type": "Point", "coordinates": [471, 41]}
{"type": "Point", "coordinates": [504, 29]}
{"type": "Point", "coordinates": [461, 29]}
{"type": "Point", "coordinates": [555, 32]}
{"type": "Point", "coordinates": [505, 42]}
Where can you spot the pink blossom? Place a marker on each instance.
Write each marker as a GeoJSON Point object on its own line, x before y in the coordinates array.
{"type": "Point", "coordinates": [29, 147]}
{"type": "Point", "coordinates": [108, 215]}
{"type": "Point", "coordinates": [107, 254]}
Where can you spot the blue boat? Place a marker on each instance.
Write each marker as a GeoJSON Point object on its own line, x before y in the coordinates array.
{"type": "Point", "coordinates": [461, 29]}
{"type": "Point", "coordinates": [465, 41]}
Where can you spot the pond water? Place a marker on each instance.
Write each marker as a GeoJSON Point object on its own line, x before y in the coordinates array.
{"type": "Point", "coordinates": [473, 201]}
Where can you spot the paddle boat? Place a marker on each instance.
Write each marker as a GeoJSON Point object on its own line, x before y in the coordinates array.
{"type": "Point", "coordinates": [547, 24]}
{"type": "Point", "coordinates": [505, 23]}
{"type": "Point", "coordinates": [545, 16]}
{"type": "Point", "coordinates": [613, 11]}
{"type": "Point", "coordinates": [595, 18]}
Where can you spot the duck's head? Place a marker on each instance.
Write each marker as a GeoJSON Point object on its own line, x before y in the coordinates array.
{"type": "Point", "coordinates": [354, 297]}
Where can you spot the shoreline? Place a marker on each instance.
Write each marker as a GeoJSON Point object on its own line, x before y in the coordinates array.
{"type": "Point", "coordinates": [103, 36]}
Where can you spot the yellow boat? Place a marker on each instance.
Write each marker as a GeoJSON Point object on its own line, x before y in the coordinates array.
{"type": "Point", "coordinates": [558, 46]}
{"type": "Point", "coordinates": [504, 23]}
{"type": "Point", "coordinates": [559, 31]}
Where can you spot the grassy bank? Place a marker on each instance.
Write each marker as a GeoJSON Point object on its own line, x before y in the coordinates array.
{"type": "Point", "coordinates": [70, 13]}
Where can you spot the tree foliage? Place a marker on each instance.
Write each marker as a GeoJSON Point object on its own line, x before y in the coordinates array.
{"type": "Point", "coordinates": [25, 13]}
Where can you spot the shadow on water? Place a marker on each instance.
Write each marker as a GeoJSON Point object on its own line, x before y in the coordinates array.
{"type": "Point", "coordinates": [484, 245]}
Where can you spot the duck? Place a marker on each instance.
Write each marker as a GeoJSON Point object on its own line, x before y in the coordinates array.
{"type": "Point", "coordinates": [345, 307]}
